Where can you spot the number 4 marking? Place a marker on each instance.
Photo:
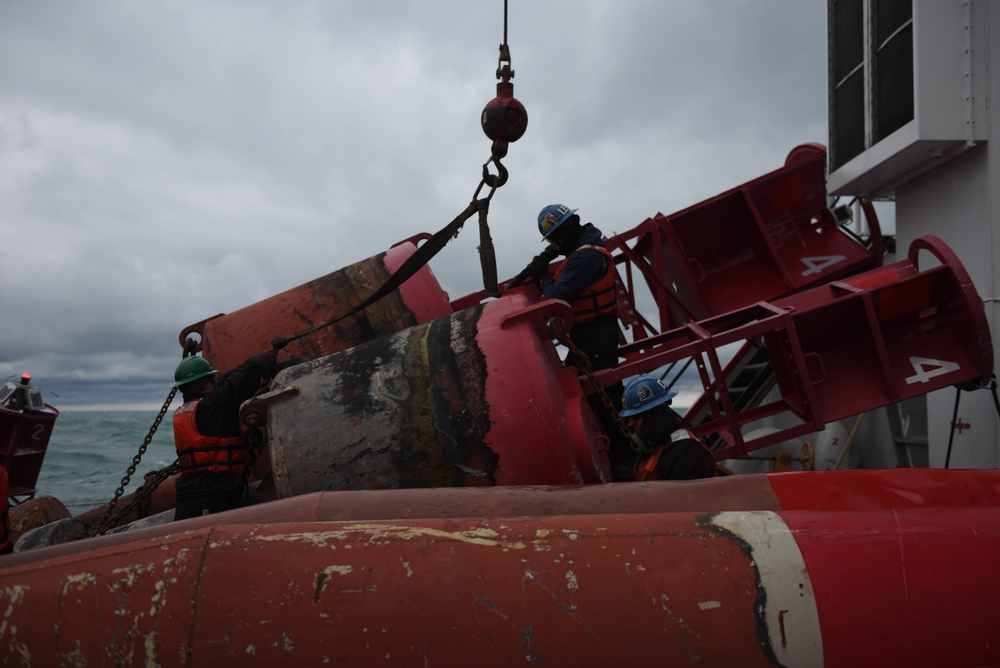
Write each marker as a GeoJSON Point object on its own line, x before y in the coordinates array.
{"type": "Point", "coordinates": [820, 262]}
{"type": "Point", "coordinates": [927, 368]}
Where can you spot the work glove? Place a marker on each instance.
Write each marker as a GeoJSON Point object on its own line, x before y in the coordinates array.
{"type": "Point", "coordinates": [538, 268]}
{"type": "Point", "coordinates": [268, 363]}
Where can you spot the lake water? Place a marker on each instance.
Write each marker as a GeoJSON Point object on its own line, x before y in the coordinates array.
{"type": "Point", "coordinates": [90, 451]}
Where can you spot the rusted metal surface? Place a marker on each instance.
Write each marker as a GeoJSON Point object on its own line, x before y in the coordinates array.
{"type": "Point", "coordinates": [34, 513]}
{"type": "Point", "coordinates": [432, 592]}
{"type": "Point", "coordinates": [405, 410]}
{"type": "Point", "coordinates": [749, 492]}
{"type": "Point", "coordinates": [227, 340]}
{"type": "Point", "coordinates": [163, 497]}
{"type": "Point", "coordinates": [475, 398]}
{"type": "Point", "coordinates": [794, 588]}
{"type": "Point", "coordinates": [864, 490]}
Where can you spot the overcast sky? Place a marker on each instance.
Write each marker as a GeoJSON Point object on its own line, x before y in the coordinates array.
{"type": "Point", "coordinates": [162, 162]}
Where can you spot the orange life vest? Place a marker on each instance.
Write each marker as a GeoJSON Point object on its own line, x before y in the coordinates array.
{"type": "Point", "coordinates": [648, 469]}
{"type": "Point", "coordinates": [197, 452]}
{"type": "Point", "coordinates": [599, 297]}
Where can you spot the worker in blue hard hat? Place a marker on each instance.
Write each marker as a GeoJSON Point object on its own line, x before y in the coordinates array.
{"type": "Point", "coordinates": [586, 279]}
{"type": "Point", "coordinates": [213, 456]}
{"type": "Point", "coordinates": [670, 450]}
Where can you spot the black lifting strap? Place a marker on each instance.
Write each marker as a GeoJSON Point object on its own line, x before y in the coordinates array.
{"type": "Point", "coordinates": [411, 266]}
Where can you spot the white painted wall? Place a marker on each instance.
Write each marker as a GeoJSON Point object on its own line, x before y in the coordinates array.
{"type": "Point", "coordinates": [959, 201]}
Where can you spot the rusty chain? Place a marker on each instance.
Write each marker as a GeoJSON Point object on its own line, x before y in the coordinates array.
{"type": "Point", "coordinates": [152, 479]}
{"type": "Point", "coordinates": [582, 363]}
{"type": "Point", "coordinates": [107, 522]}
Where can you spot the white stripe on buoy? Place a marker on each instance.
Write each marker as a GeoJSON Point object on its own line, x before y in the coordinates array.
{"type": "Point", "coordinates": [786, 602]}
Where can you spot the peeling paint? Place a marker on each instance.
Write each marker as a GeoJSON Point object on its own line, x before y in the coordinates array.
{"type": "Point", "coordinates": [341, 569]}
{"type": "Point", "coordinates": [14, 595]}
{"type": "Point", "coordinates": [323, 576]}
{"type": "Point", "coordinates": [386, 533]}
{"type": "Point", "coordinates": [149, 642]}
{"type": "Point", "coordinates": [571, 582]}
{"type": "Point", "coordinates": [79, 578]}
{"type": "Point", "coordinates": [709, 605]}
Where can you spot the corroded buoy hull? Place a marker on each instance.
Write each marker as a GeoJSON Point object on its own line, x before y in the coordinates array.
{"type": "Point", "coordinates": [868, 581]}
{"type": "Point", "coordinates": [227, 339]}
{"type": "Point", "coordinates": [479, 397]}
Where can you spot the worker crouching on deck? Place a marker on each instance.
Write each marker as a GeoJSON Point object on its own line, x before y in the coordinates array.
{"type": "Point", "coordinates": [587, 281]}
{"type": "Point", "coordinates": [670, 451]}
{"type": "Point", "coordinates": [213, 455]}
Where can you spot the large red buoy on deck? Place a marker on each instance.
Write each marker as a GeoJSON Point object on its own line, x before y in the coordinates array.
{"type": "Point", "coordinates": [861, 568]}
{"type": "Point", "coordinates": [479, 397]}
{"type": "Point", "coordinates": [227, 340]}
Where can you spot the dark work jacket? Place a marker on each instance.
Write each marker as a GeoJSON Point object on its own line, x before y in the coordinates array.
{"type": "Point", "coordinates": [218, 416]}
{"type": "Point", "coordinates": [597, 338]}
{"type": "Point", "coordinates": [681, 459]}
{"type": "Point", "coordinates": [581, 269]}
{"type": "Point", "coordinates": [218, 412]}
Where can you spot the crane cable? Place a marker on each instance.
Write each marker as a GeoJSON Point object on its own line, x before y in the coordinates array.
{"type": "Point", "coordinates": [503, 120]}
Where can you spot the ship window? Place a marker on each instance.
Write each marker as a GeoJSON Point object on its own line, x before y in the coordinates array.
{"type": "Point", "coordinates": [893, 71]}
{"type": "Point", "coordinates": [35, 401]}
{"type": "Point", "coordinates": [848, 77]}
{"type": "Point", "coordinates": [849, 118]}
{"type": "Point", "coordinates": [871, 73]}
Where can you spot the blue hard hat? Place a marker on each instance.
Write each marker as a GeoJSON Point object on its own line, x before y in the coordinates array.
{"type": "Point", "coordinates": [643, 393]}
{"type": "Point", "coordinates": [552, 217]}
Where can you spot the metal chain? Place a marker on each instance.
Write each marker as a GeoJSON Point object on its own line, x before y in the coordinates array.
{"type": "Point", "coordinates": [105, 523]}
{"type": "Point", "coordinates": [151, 481]}
{"type": "Point", "coordinates": [583, 364]}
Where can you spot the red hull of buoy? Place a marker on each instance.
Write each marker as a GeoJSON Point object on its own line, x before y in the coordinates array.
{"type": "Point", "coordinates": [878, 578]}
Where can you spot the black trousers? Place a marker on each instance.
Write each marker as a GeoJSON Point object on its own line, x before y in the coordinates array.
{"type": "Point", "coordinates": [203, 493]}
{"type": "Point", "coordinates": [598, 339]}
